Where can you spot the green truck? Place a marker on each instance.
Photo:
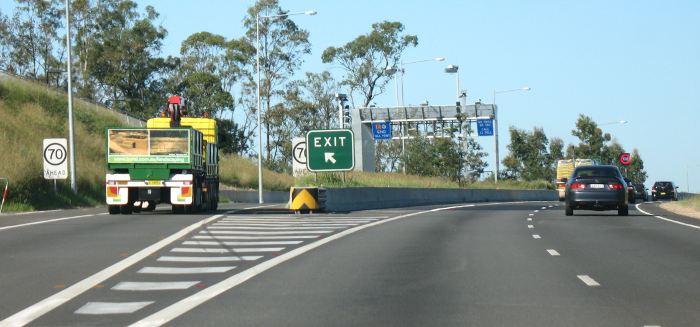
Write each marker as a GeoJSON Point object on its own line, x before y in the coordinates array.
{"type": "Point", "coordinates": [174, 160]}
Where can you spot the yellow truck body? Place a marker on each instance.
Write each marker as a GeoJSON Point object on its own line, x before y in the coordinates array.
{"type": "Point", "coordinates": [564, 169]}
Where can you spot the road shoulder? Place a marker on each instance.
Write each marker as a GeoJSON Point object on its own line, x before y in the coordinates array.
{"type": "Point", "coordinates": [680, 209]}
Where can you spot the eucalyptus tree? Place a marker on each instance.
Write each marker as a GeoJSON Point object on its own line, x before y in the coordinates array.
{"type": "Point", "coordinates": [366, 58]}
{"type": "Point", "coordinates": [282, 47]}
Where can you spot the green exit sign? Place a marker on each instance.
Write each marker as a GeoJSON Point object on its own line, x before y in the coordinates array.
{"type": "Point", "coordinates": [330, 150]}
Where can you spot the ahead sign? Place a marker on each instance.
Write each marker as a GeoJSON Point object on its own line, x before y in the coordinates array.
{"type": "Point", "coordinates": [625, 159]}
{"type": "Point", "coordinates": [55, 154]}
{"type": "Point", "coordinates": [330, 150]}
{"type": "Point", "coordinates": [299, 156]}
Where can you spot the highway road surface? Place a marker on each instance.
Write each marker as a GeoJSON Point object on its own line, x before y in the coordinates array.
{"type": "Point", "coordinates": [489, 264]}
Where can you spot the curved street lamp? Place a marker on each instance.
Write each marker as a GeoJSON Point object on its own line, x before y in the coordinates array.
{"type": "Point", "coordinates": [495, 126]}
{"type": "Point", "coordinates": [259, 116]}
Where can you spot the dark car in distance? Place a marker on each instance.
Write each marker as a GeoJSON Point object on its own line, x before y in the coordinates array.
{"type": "Point", "coordinates": [664, 190]}
{"type": "Point", "coordinates": [630, 190]}
{"type": "Point", "coordinates": [640, 192]}
{"type": "Point", "coordinates": [597, 188]}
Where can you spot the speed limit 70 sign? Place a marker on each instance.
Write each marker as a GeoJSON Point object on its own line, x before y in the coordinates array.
{"type": "Point", "coordinates": [55, 163]}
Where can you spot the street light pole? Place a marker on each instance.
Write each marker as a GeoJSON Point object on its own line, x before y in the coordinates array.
{"type": "Point", "coordinates": [71, 138]}
{"type": "Point", "coordinates": [495, 127]}
{"type": "Point", "coordinates": [259, 115]}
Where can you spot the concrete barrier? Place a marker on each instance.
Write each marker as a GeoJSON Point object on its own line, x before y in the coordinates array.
{"type": "Point", "coordinates": [252, 196]}
{"type": "Point", "coordinates": [350, 199]}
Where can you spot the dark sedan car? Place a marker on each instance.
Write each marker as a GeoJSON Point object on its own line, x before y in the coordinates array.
{"type": "Point", "coordinates": [596, 188]}
{"type": "Point", "coordinates": [630, 190]}
{"type": "Point", "coordinates": [664, 190]}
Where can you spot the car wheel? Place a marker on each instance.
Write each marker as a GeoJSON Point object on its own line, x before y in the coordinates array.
{"type": "Point", "coordinates": [569, 210]}
{"type": "Point", "coordinates": [653, 198]}
{"type": "Point", "coordinates": [623, 211]}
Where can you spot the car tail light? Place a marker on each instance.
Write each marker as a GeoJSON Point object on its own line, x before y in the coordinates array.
{"type": "Point", "coordinates": [615, 186]}
{"type": "Point", "coordinates": [578, 186]}
{"type": "Point", "coordinates": [653, 189]}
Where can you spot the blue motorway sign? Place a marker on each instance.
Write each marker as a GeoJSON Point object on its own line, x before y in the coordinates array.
{"type": "Point", "coordinates": [484, 127]}
{"type": "Point", "coordinates": [381, 130]}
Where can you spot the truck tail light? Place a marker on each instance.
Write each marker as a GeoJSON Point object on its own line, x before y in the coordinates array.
{"type": "Point", "coordinates": [112, 191]}
{"type": "Point", "coordinates": [578, 186]}
{"type": "Point", "coordinates": [186, 191]}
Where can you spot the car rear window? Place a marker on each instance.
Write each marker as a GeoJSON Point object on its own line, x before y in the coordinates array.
{"type": "Point", "coordinates": [595, 172]}
{"type": "Point", "coordinates": [662, 184]}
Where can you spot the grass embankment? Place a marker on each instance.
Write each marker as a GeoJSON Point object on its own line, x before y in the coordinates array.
{"type": "Point", "coordinates": [360, 179]}
{"type": "Point", "coordinates": [689, 207]}
{"type": "Point", "coordinates": [30, 113]}
{"type": "Point", "coordinates": [239, 172]}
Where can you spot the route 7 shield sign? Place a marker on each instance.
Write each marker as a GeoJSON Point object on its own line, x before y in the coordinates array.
{"type": "Point", "coordinates": [330, 150]}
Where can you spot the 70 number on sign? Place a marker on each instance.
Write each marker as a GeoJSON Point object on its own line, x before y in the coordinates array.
{"type": "Point", "coordinates": [55, 154]}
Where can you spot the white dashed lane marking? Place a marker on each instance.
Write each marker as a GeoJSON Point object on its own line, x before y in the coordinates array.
{"type": "Point", "coordinates": [185, 270]}
{"type": "Point", "coordinates": [106, 308]}
{"type": "Point", "coordinates": [529, 219]}
{"type": "Point", "coordinates": [553, 252]}
{"type": "Point", "coordinates": [530, 226]}
{"type": "Point", "coordinates": [535, 236]}
{"type": "Point", "coordinates": [153, 286]}
{"type": "Point", "coordinates": [532, 214]}
{"type": "Point", "coordinates": [588, 280]}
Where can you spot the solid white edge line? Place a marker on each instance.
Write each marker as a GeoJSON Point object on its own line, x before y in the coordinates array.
{"type": "Point", "coordinates": [666, 219]}
{"type": "Point", "coordinates": [50, 221]}
{"type": "Point", "coordinates": [40, 308]}
{"type": "Point", "coordinates": [588, 280]}
{"type": "Point", "coordinates": [173, 311]}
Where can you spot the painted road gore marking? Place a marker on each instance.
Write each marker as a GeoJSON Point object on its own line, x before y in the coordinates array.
{"type": "Point", "coordinates": [241, 243]}
{"type": "Point", "coordinates": [225, 250]}
{"type": "Point", "coordinates": [588, 280]}
{"type": "Point", "coordinates": [207, 259]}
{"type": "Point", "coordinates": [236, 237]}
{"type": "Point", "coordinates": [107, 308]}
{"type": "Point", "coordinates": [187, 270]}
{"type": "Point", "coordinates": [153, 286]}
{"type": "Point", "coordinates": [274, 232]}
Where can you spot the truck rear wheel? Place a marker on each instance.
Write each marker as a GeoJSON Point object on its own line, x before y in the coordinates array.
{"type": "Point", "coordinates": [127, 209]}
{"type": "Point", "coordinates": [178, 209]}
{"type": "Point", "coordinates": [113, 210]}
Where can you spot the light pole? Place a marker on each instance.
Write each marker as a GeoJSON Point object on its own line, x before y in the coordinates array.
{"type": "Point", "coordinates": [495, 127]}
{"type": "Point", "coordinates": [257, 63]}
{"type": "Point", "coordinates": [71, 139]}
{"type": "Point", "coordinates": [454, 69]}
{"type": "Point", "coordinates": [392, 70]}
{"type": "Point", "coordinates": [621, 122]}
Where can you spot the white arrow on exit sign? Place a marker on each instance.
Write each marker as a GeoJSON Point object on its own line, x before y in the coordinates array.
{"type": "Point", "coordinates": [329, 156]}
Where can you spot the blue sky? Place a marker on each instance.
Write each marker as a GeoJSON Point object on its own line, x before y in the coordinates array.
{"type": "Point", "coordinates": [612, 60]}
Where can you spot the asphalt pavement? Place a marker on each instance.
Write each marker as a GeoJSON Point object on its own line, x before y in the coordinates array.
{"type": "Point", "coordinates": [490, 264]}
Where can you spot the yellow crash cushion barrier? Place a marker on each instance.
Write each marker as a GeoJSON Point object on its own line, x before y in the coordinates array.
{"type": "Point", "coordinates": [303, 198]}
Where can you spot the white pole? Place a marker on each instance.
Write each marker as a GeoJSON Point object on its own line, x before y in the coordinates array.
{"type": "Point", "coordinates": [495, 134]}
{"type": "Point", "coordinates": [71, 140]}
{"type": "Point", "coordinates": [257, 61]}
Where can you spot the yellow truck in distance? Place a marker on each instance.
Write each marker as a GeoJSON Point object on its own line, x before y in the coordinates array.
{"type": "Point", "coordinates": [564, 169]}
